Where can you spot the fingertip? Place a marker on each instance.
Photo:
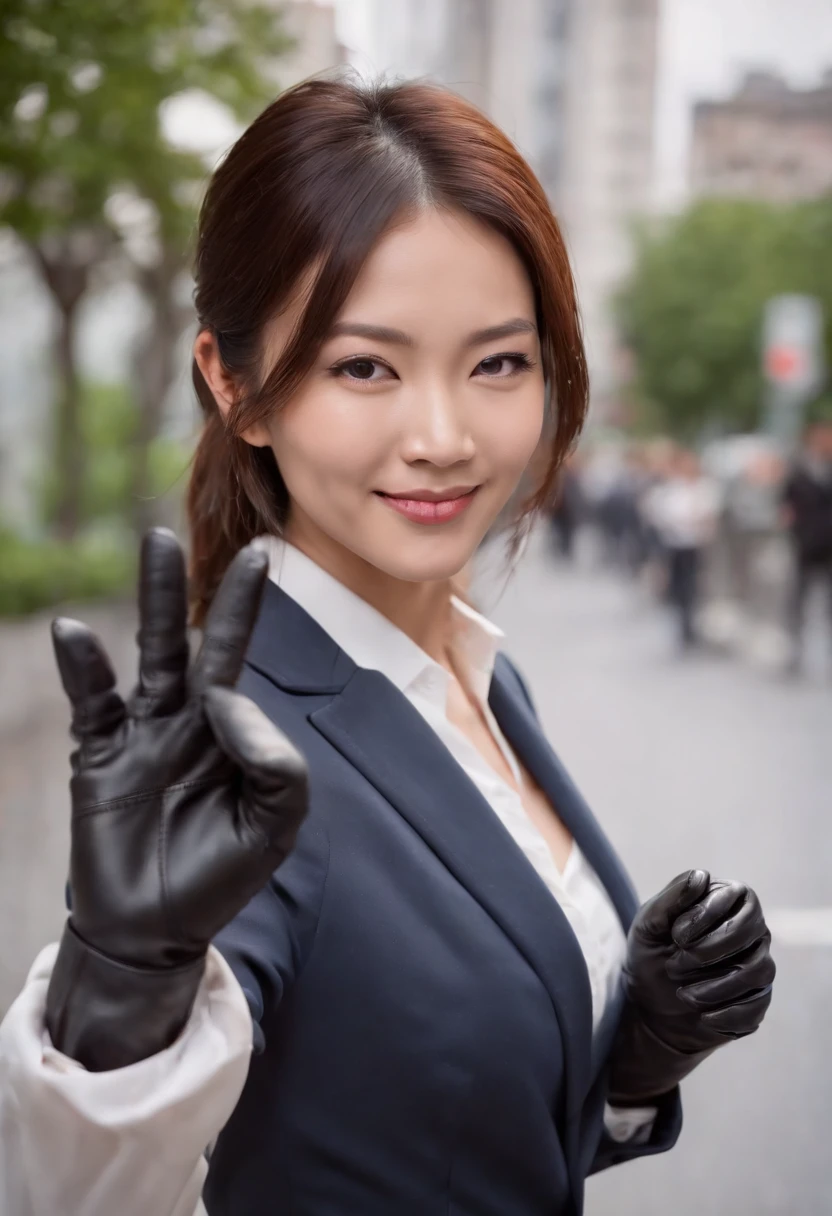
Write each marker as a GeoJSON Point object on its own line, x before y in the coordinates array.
{"type": "Point", "coordinates": [65, 626]}
{"type": "Point", "coordinates": [231, 618]}
{"type": "Point", "coordinates": [698, 880]}
{"type": "Point", "coordinates": [247, 573]}
{"type": "Point", "coordinates": [83, 665]}
{"type": "Point", "coordinates": [255, 558]}
{"type": "Point", "coordinates": [697, 885]}
{"type": "Point", "coordinates": [257, 548]}
{"type": "Point", "coordinates": [160, 551]}
{"type": "Point", "coordinates": [66, 634]}
{"type": "Point", "coordinates": [160, 535]}
{"type": "Point", "coordinates": [75, 642]}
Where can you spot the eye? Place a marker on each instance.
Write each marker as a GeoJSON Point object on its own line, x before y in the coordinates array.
{"type": "Point", "coordinates": [501, 367]}
{"type": "Point", "coordinates": [362, 368]}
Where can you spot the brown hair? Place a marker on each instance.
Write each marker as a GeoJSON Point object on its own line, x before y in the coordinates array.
{"type": "Point", "coordinates": [316, 179]}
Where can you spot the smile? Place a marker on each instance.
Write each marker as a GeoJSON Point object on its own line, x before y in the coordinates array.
{"type": "Point", "coordinates": [431, 510]}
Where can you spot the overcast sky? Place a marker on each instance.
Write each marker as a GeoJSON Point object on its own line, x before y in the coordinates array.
{"type": "Point", "coordinates": [705, 46]}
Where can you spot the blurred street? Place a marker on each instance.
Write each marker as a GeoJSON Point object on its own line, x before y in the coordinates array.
{"type": "Point", "coordinates": [693, 761]}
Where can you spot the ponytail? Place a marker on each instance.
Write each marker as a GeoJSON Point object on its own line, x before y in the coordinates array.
{"type": "Point", "coordinates": [235, 493]}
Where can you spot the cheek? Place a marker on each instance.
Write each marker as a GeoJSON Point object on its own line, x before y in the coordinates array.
{"type": "Point", "coordinates": [326, 446]}
{"type": "Point", "coordinates": [508, 432]}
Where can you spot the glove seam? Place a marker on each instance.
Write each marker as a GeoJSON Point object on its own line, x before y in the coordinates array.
{"type": "Point", "coordinates": [96, 808]}
{"type": "Point", "coordinates": [133, 968]}
{"type": "Point", "coordinates": [161, 854]}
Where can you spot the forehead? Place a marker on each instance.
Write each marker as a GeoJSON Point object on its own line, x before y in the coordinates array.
{"type": "Point", "coordinates": [441, 264]}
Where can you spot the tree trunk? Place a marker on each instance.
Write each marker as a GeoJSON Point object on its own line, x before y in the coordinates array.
{"type": "Point", "coordinates": [154, 370]}
{"type": "Point", "coordinates": [68, 440]}
{"type": "Point", "coordinates": [65, 269]}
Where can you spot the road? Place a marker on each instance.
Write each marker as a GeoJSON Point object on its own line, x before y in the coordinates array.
{"type": "Point", "coordinates": [694, 762]}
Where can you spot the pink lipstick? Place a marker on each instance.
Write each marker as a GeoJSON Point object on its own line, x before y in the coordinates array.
{"type": "Point", "coordinates": [431, 506]}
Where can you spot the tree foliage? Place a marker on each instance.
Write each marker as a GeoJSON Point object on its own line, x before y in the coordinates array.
{"type": "Point", "coordinates": [83, 85]}
{"type": "Point", "coordinates": [692, 310]}
{"type": "Point", "coordinates": [81, 90]}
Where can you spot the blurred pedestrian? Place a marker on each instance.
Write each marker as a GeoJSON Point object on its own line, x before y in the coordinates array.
{"type": "Point", "coordinates": [567, 512]}
{"type": "Point", "coordinates": [638, 479]}
{"type": "Point", "coordinates": [750, 520]}
{"type": "Point", "coordinates": [684, 510]}
{"type": "Point", "coordinates": [807, 513]}
{"type": "Point", "coordinates": [599, 475]}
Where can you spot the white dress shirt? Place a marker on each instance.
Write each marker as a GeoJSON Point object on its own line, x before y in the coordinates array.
{"type": "Point", "coordinates": [132, 1141]}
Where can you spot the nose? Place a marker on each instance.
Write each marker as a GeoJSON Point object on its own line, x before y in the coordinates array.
{"type": "Point", "coordinates": [436, 428]}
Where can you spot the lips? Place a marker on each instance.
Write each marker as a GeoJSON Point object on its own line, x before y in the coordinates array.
{"type": "Point", "coordinates": [432, 495]}
{"type": "Point", "coordinates": [431, 506]}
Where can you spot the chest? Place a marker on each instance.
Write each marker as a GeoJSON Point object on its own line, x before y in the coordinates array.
{"type": "Point", "coordinates": [468, 718]}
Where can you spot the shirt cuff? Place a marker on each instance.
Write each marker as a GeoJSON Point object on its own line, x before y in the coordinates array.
{"type": "Point", "coordinates": [127, 1141]}
{"type": "Point", "coordinates": [630, 1125]}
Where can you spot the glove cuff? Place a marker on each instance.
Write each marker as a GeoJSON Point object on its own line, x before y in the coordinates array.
{"type": "Point", "coordinates": [642, 1066]}
{"type": "Point", "coordinates": [107, 1014]}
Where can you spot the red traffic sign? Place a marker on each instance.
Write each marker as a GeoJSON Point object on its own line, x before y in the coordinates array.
{"type": "Point", "coordinates": [785, 364]}
{"type": "Point", "coordinates": [793, 344]}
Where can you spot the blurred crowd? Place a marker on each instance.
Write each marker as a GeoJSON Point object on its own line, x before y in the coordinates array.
{"type": "Point", "coordinates": [736, 538]}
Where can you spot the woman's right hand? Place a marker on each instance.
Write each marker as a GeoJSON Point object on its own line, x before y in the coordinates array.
{"type": "Point", "coordinates": [184, 800]}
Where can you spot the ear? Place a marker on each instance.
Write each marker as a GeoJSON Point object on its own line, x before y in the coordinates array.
{"type": "Point", "coordinates": [221, 384]}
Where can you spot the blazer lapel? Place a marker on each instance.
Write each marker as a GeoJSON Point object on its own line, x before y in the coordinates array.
{"type": "Point", "coordinates": [376, 728]}
{"type": "Point", "coordinates": [520, 726]}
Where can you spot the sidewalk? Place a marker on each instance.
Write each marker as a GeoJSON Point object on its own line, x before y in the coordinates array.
{"type": "Point", "coordinates": [34, 770]}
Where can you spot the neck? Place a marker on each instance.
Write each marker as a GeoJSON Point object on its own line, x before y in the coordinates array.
{"type": "Point", "coordinates": [420, 610]}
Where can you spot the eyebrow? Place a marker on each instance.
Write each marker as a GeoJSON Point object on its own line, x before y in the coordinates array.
{"type": "Point", "coordinates": [383, 333]}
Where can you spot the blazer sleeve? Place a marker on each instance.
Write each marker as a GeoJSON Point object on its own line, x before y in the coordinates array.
{"type": "Point", "coordinates": [663, 1136]}
{"type": "Point", "coordinates": [267, 945]}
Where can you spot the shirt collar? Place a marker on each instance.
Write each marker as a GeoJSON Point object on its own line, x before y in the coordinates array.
{"type": "Point", "coordinates": [371, 640]}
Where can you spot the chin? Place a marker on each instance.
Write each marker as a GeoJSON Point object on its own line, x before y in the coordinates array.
{"type": "Point", "coordinates": [423, 561]}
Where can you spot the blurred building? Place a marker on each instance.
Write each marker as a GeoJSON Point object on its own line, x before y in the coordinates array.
{"type": "Point", "coordinates": [312, 26]}
{"type": "Point", "coordinates": [767, 141]}
{"type": "Point", "coordinates": [607, 173]}
{"type": "Point", "coordinates": [406, 38]}
{"type": "Point", "coordinates": [572, 82]}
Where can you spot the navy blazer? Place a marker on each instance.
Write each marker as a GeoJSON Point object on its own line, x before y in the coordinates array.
{"type": "Point", "coordinates": [422, 1010]}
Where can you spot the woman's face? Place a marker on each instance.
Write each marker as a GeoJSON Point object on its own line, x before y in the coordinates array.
{"type": "Point", "coordinates": [426, 403]}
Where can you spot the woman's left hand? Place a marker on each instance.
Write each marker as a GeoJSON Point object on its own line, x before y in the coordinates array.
{"type": "Point", "coordinates": [699, 973]}
{"type": "Point", "coordinates": [699, 965]}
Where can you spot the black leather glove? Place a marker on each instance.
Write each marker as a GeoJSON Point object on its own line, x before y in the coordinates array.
{"type": "Point", "coordinates": [184, 800]}
{"type": "Point", "coordinates": [699, 973]}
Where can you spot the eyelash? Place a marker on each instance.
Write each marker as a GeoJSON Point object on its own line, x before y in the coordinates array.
{"type": "Point", "coordinates": [523, 364]}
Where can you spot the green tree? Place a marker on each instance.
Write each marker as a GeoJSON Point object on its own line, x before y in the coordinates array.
{"type": "Point", "coordinates": [82, 86]}
{"type": "Point", "coordinates": [692, 309]}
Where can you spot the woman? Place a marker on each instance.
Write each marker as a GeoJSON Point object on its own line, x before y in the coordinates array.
{"type": "Point", "coordinates": [419, 927]}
